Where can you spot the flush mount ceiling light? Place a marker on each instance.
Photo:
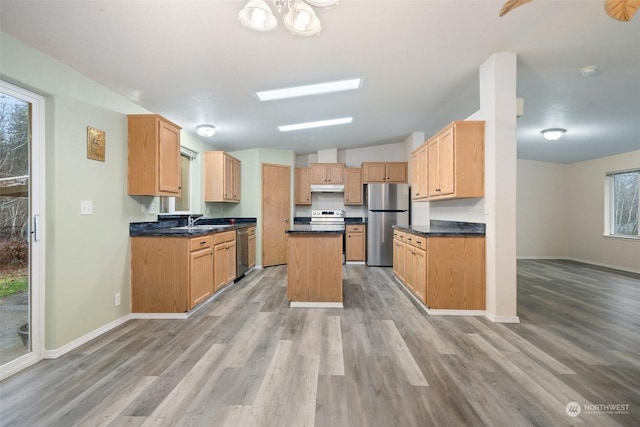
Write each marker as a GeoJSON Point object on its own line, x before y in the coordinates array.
{"type": "Point", "coordinates": [317, 124]}
{"type": "Point", "coordinates": [553, 134]}
{"type": "Point", "coordinates": [315, 89]}
{"type": "Point", "coordinates": [206, 130]}
{"type": "Point", "coordinates": [589, 70]}
{"type": "Point", "coordinates": [299, 17]}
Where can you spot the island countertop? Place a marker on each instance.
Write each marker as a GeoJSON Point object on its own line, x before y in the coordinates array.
{"type": "Point", "coordinates": [315, 228]}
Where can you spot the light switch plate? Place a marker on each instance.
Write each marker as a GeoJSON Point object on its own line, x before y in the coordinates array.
{"type": "Point", "coordinates": [86, 207]}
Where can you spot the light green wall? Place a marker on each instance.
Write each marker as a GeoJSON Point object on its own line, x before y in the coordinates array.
{"type": "Point", "coordinates": [87, 257]}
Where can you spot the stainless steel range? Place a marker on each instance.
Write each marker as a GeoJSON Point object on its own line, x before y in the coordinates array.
{"type": "Point", "coordinates": [327, 219]}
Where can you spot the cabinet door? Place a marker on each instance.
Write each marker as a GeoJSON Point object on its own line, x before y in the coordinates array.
{"type": "Point", "coordinates": [409, 269]}
{"type": "Point", "coordinates": [335, 173]}
{"type": "Point", "coordinates": [252, 250]}
{"type": "Point", "coordinates": [228, 178]}
{"type": "Point", "coordinates": [169, 175]}
{"type": "Point", "coordinates": [416, 190]}
{"type": "Point", "coordinates": [399, 250]}
{"type": "Point", "coordinates": [237, 169]}
{"type": "Point", "coordinates": [433, 181]}
{"type": "Point", "coordinates": [374, 172]}
{"type": "Point", "coordinates": [201, 275]}
{"type": "Point", "coordinates": [219, 266]}
{"type": "Point", "coordinates": [355, 246]}
{"type": "Point", "coordinates": [353, 186]}
{"type": "Point", "coordinates": [230, 257]}
{"type": "Point", "coordinates": [420, 274]}
{"type": "Point", "coordinates": [396, 172]}
{"type": "Point", "coordinates": [446, 166]}
{"type": "Point", "coordinates": [318, 174]}
{"type": "Point", "coordinates": [303, 189]}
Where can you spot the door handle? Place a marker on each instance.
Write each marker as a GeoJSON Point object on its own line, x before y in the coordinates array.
{"type": "Point", "coordinates": [286, 220]}
{"type": "Point", "coordinates": [36, 228]}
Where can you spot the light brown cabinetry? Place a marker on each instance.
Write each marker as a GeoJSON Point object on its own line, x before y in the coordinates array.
{"type": "Point", "coordinates": [443, 272]}
{"type": "Point", "coordinates": [221, 177]}
{"type": "Point", "coordinates": [170, 274]}
{"type": "Point", "coordinates": [327, 173]}
{"type": "Point", "coordinates": [456, 162]}
{"type": "Point", "coordinates": [353, 186]}
{"type": "Point", "coordinates": [456, 273]}
{"type": "Point", "coordinates": [419, 169]}
{"type": "Point", "coordinates": [399, 254]}
{"type": "Point", "coordinates": [153, 156]}
{"type": "Point", "coordinates": [251, 238]}
{"type": "Point", "coordinates": [224, 259]}
{"type": "Point", "coordinates": [391, 172]}
{"type": "Point", "coordinates": [356, 242]}
{"type": "Point", "coordinates": [303, 186]}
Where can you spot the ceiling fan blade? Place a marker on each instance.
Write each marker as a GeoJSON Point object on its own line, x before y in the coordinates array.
{"type": "Point", "coordinates": [622, 10]}
{"type": "Point", "coordinates": [512, 4]}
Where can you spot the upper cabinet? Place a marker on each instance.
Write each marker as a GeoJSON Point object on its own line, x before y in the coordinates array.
{"type": "Point", "coordinates": [153, 156]}
{"type": "Point", "coordinates": [391, 172]}
{"type": "Point", "coordinates": [327, 173]}
{"type": "Point", "coordinates": [221, 177]}
{"type": "Point", "coordinates": [419, 168]}
{"type": "Point", "coordinates": [456, 161]}
{"type": "Point", "coordinates": [353, 186]}
{"type": "Point", "coordinates": [303, 187]}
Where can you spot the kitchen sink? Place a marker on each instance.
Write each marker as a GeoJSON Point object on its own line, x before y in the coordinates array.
{"type": "Point", "coordinates": [201, 227]}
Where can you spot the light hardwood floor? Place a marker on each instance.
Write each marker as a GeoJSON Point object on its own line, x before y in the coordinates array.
{"type": "Point", "coordinates": [247, 359]}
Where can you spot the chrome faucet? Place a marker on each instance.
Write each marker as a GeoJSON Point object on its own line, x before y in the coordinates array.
{"type": "Point", "coordinates": [192, 221]}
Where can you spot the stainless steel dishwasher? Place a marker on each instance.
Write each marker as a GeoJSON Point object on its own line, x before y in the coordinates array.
{"type": "Point", "coordinates": [242, 252]}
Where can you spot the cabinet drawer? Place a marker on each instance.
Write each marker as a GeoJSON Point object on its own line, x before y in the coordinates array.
{"type": "Point", "coordinates": [251, 231]}
{"type": "Point", "coordinates": [200, 243]}
{"type": "Point", "coordinates": [355, 228]}
{"type": "Point", "coordinates": [227, 236]}
{"type": "Point", "coordinates": [400, 235]}
{"type": "Point", "coordinates": [417, 241]}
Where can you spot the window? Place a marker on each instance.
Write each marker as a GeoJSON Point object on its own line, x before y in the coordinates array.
{"type": "Point", "coordinates": [182, 203]}
{"type": "Point", "coordinates": [624, 189]}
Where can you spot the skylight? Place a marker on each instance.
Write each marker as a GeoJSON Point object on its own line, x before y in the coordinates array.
{"type": "Point", "coordinates": [316, 124]}
{"type": "Point", "coordinates": [315, 89]}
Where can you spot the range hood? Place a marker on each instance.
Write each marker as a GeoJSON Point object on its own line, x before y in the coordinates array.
{"type": "Point", "coordinates": [327, 188]}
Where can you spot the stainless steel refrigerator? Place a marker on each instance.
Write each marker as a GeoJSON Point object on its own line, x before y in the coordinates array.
{"type": "Point", "coordinates": [387, 205]}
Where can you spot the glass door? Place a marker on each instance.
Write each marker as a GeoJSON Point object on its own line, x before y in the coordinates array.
{"type": "Point", "coordinates": [20, 326]}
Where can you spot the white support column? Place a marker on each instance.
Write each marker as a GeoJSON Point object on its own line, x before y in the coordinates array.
{"type": "Point", "coordinates": [498, 109]}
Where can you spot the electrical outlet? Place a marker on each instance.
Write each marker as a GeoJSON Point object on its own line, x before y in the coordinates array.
{"type": "Point", "coordinates": [86, 207]}
{"type": "Point", "coordinates": [153, 208]}
{"type": "Point", "coordinates": [116, 299]}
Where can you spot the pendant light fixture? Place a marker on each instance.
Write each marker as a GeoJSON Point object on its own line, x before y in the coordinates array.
{"type": "Point", "coordinates": [299, 17]}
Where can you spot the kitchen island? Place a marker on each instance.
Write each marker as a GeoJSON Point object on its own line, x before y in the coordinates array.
{"type": "Point", "coordinates": [314, 266]}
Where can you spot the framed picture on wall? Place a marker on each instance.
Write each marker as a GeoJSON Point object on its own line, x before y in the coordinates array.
{"type": "Point", "coordinates": [96, 141]}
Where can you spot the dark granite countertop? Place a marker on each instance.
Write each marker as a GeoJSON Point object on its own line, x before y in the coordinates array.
{"type": "Point", "coordinates": [175, 227]}
{"type": "Point", "coordinates": [313, 229]}
{"type": "Point", "coordinates": [445, 228]}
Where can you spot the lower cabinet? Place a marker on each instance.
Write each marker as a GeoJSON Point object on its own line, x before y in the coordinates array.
{"type": "Point", "coordinates": [443, 272]}
{"type": "Point", "coordinates": [355, 246]}
{"type": "Point", "coordinates": [399, 254]}
{"type": "Point", "coordinates": [224, 259]}
{"type": "Point", "coordinates": [170, 274]}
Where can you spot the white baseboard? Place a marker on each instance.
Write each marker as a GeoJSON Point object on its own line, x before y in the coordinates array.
{"type": "Point", "coordinates": [54, 354]}
{"type": "Point", "coordinates": [502, 319]}
{"type": "Point", "coordinates": [355, 262]}
{"type": "Point", "coordinates": [447, 312]}
{"type": "Point", "coordinates": [304, 304]}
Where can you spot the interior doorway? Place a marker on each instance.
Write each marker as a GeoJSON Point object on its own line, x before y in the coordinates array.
{"type": "Point", "coordinates": [276, 213]}
{"type": "Point", "coordinates": [21, 233]}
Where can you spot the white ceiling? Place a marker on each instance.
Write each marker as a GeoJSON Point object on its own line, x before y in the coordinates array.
{"type": "Point", "coordinates": [192, 62]}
